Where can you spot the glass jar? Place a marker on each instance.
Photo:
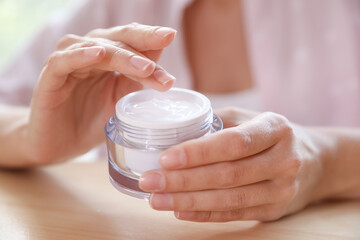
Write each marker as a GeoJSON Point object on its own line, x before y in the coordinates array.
{"type": "Point", "coordinates": [148, 122]}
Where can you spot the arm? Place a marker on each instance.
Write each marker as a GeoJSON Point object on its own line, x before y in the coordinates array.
{"type": "Point", "coordinates": [261, 167]}
{"type": "Point", "coordinates": [13, 123]}
{"type": "Point", "coordinates": [341, 163]}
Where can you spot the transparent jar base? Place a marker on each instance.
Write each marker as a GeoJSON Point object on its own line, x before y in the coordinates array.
{"type": "Point", "coordinates": [123, 178]}
{"type": "Point", "coordinates": [126, 184]}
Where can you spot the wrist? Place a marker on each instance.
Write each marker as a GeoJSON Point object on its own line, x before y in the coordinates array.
{"type": "Point", "coordinates": [14, 146]}
{"type": "Point", "coordinates": [339, 161]}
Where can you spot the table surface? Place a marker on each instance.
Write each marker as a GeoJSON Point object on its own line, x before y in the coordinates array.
{"type": "Point", "coordinates": [76, 201]}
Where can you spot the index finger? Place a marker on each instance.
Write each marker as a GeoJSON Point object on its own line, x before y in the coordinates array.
{"type": "Point", "coordinates": [138, 36]}
{"type": "Point", "coordinates": [235, 143]}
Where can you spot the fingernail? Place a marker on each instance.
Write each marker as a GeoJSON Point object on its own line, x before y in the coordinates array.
{"type": "Point", "coordinates": [152, 182]}
{"type": "Point", "coordinates": [162, 201]}
{"type": "Point", "coordinates": [173, 159]}
{"type": "Point", "coordinates": [163, 77]}
{"type": "Point", "coordinates": [165, 31]}
{"type": "Point", "coordinates": [141, 63]}
{"type": "Point", "coordinates": [93, 51]}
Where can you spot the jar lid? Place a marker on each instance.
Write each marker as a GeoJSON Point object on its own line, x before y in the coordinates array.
{"type": "Point", "coordinates": [163, 110]}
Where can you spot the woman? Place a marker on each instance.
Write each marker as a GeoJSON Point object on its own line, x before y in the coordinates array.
{"type": "Point", "coordinates": [262, 166]}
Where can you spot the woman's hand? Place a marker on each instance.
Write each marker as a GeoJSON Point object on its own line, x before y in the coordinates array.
{"type": "Point", "coordinates": [81, 82]}
{"type": "Point", "coordinates": [261, 167]}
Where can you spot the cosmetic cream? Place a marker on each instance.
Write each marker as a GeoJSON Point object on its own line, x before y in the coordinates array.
{"type": "Point", "coordinates": [146, 123]}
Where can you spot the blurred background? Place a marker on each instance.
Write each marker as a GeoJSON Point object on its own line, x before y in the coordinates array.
{"type": "Point", "coordinates": [19, 19]}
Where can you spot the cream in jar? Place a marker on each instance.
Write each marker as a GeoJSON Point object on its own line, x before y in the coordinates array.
{"type": "Point", "coordinates": [146, 123]}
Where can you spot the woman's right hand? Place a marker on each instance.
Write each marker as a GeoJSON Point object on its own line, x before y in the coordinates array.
{"type": "Point", "coordinates": [81, 83]}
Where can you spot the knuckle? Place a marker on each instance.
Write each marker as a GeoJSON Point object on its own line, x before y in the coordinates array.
{"type": "Point", "coordinates": [230, 176]}
{"type": "Point", "coordinates": [286, 192]}
{"type": "Point", "coordinates": [236, 199]}
{"type": "Point", "coordinates": [202, 153]}
{"type": "Point", "coordinates": [53, 60]}
{"type": "Point", "coordinates": [231, 112]}
{"type": "Point", "coordinates": [183, 182]}
{"type": "Point", "coordinates": [240, 142]}
{"type": "Point", "coordinates": [129, 27]}
{"type": "Point", "coordinates": [134, 24]}
{"type": "Point", "coordinates": [98, 32]}
{"type": "Point", "coordinates": [293, 165]}
{"type": "Point", "coordinates": [147, 38]}
{"type": "Point", "coordinates": [67, 40]}
{"type": "Point", "coordinates": [276, 117]}
{"type": "Point", "coordinates": [284, 124]}
{"type": "Point", "coordinates": [291, 192]}
{"type": "Point", "coordinates": [188, 204]}
{"type": "Point", "coordinates": [272, 214]}
{"type": "Point", "coordinates": [87, 43]}
{"type": "Point", "coordinates": [118, 53]}
{"type": "Point", "coordinates": [206, 217]}
{"type": "Point", "coordinates": [278, 121]}
{"type": "Point", "coordinates": [238, 214]}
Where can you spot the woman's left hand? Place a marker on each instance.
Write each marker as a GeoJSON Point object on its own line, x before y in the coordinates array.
{"type": "Point", "coordinates": [261, 167]}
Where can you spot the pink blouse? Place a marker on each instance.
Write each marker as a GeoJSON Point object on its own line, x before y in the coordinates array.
{"type": "Point", "coordinates": [304, 54]}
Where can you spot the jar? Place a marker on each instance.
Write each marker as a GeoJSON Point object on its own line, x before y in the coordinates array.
{"type": "Point", "coordinates": [148, 122]}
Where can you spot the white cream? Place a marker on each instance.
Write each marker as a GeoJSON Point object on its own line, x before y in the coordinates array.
{"type": "Point", "coordinates": [139, 161]}
{"type": "Point", "coordinates": [162, 110]}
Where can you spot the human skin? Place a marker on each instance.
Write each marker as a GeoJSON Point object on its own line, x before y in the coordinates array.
{"type": "Point", "coordinates": [77, 92]}
{"type": "Point", "coordinates": [261, 167]}
{"type": "Point", "coordinates": [214, 35]}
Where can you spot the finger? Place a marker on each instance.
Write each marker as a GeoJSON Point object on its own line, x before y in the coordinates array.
{"type": "Point", "coordinates": [218, 200]}
{"type": "Point", "coordinates": [138, 36]}
{"type": "Point", "coordinates": [215, 176]}
{"type": "Point", "coordinates": [247, 139]}
{"type": "Point", "coordinates": [153, 54]}
{"type": "Point", "coordinates": [122, 58]}
{"type": "Point", "coordinates": [232, 116]}
{"type": "Point", "coordinates": [62, 63]}
{"type": "Point", "coordinates": [71, 39]}
{"type": "Point", "coordinates": [160, 79]}
{"type": "Point", "coordinates": [128, 61]}
{"type": "Point", "coordinates": [260, 213]}
{"type": "Point", "coordinates": [68, 40]}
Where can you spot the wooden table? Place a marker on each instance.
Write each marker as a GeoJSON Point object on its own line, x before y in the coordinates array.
{"type": "Point", "coordinates": [76, 201]}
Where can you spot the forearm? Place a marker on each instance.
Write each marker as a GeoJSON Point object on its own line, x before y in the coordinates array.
{"type": "Point", "coordinates": [13, 151]}
{"type": "Point", "coordinates": [340, 158]}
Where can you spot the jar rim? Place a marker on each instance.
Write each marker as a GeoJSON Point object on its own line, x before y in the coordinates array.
{"type": "Point", "coordinates": [174, 93]}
